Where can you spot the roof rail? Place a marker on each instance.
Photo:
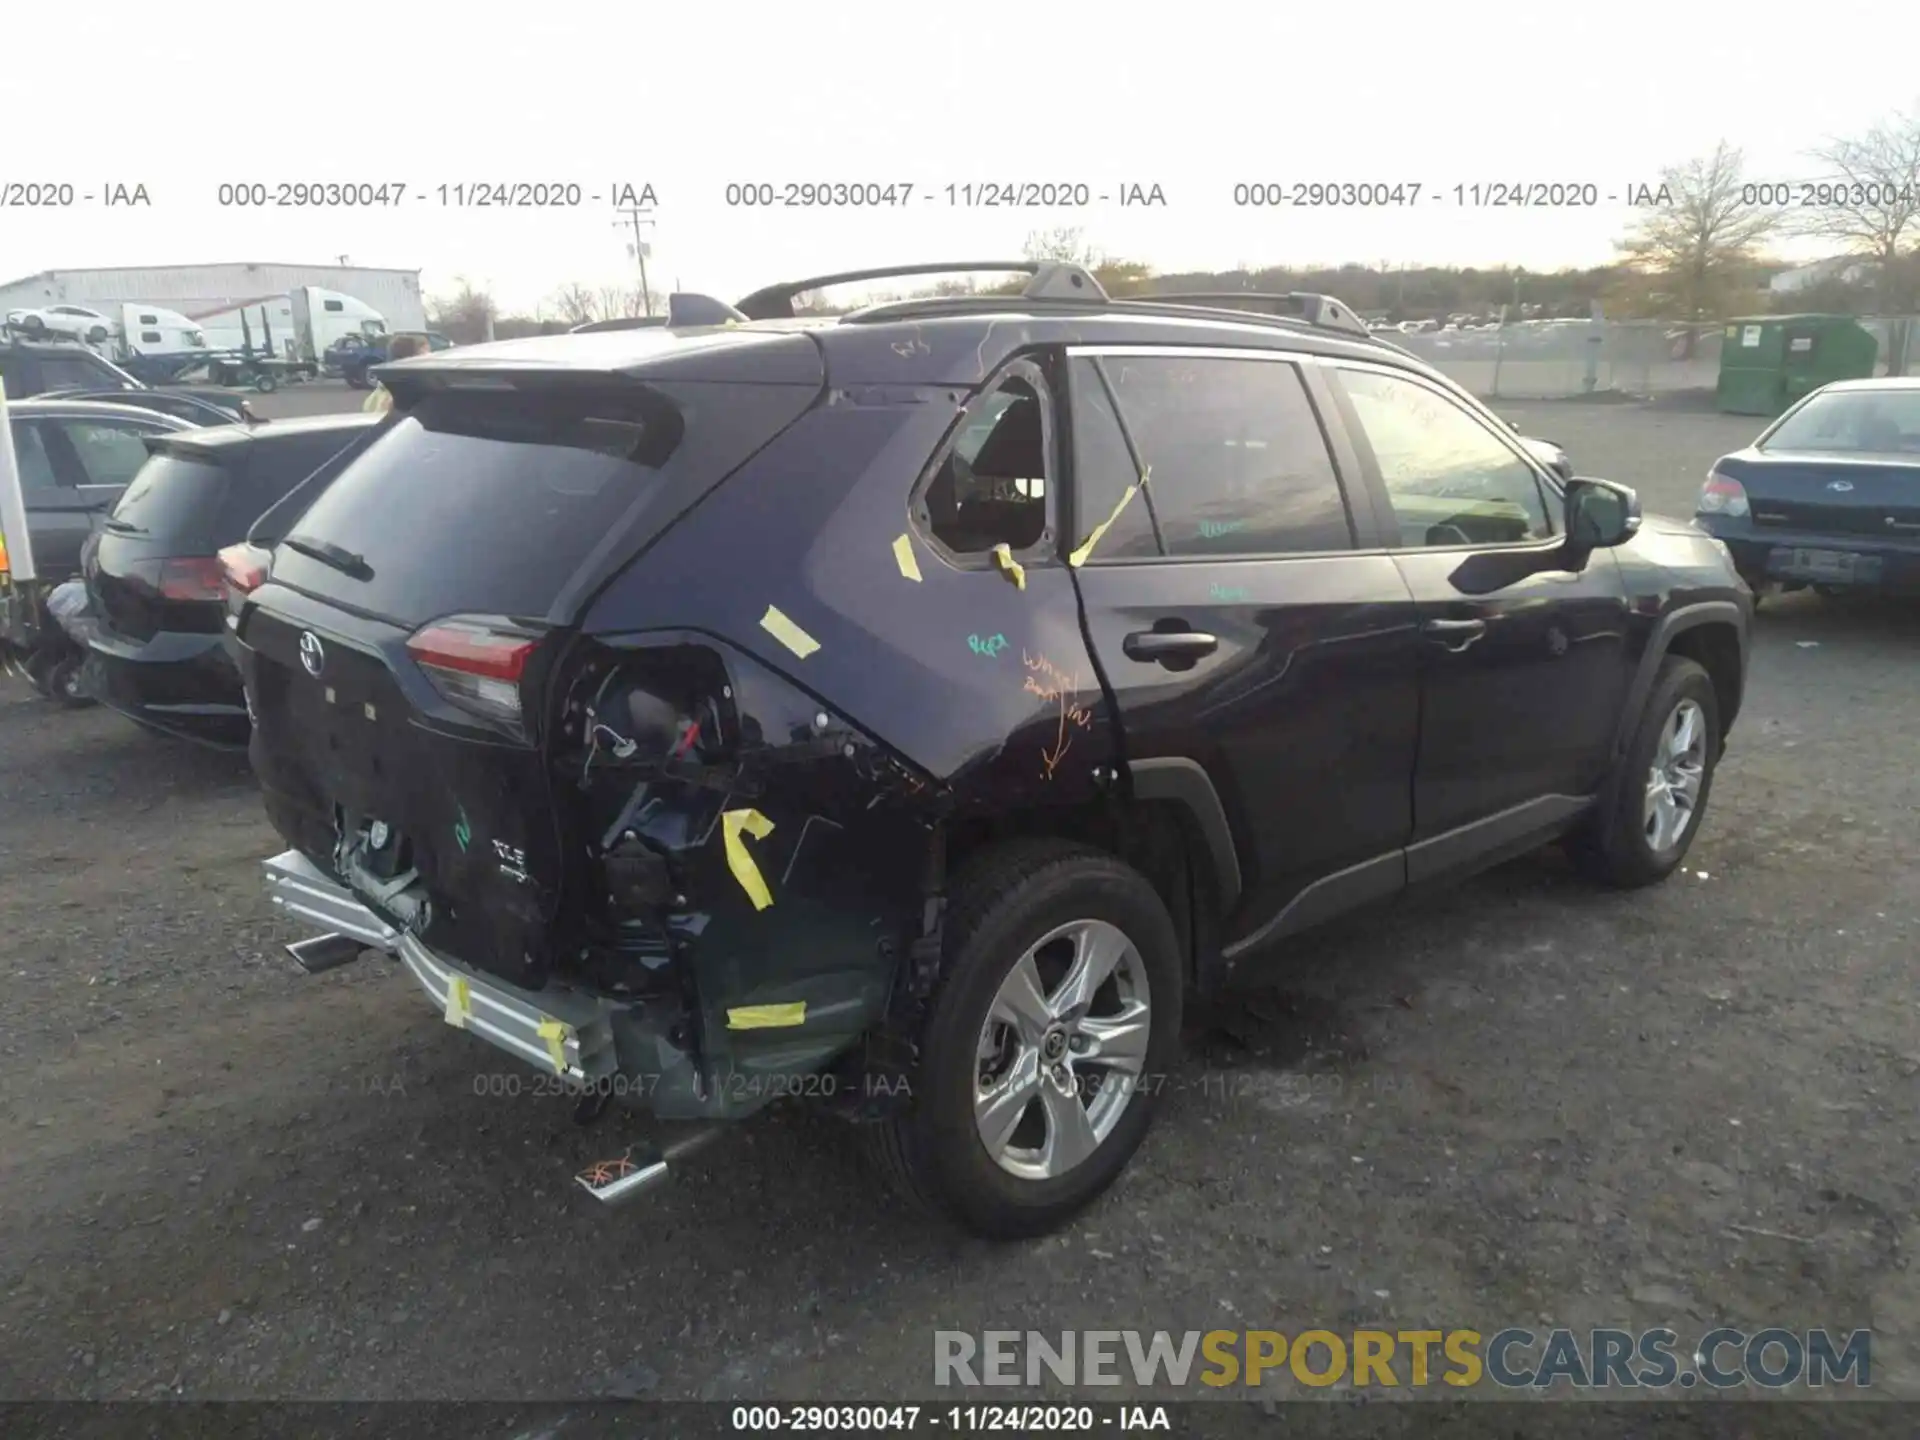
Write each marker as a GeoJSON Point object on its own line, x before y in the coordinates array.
{"type": "Point", "coordinates": [1052, 280]}
{"type": "Point", "coordinates": [1323, 312]}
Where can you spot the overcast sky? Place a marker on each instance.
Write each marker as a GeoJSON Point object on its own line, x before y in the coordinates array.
{"type": "Point", "coordinates": [1192, 97]}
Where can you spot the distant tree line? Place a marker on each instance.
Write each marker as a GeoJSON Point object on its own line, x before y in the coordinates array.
{"type": "Point", "coordinates": [1704, 254]}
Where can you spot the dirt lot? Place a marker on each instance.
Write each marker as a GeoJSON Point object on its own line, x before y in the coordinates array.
{"type": "Point", "coordinates": [1527, 1102]}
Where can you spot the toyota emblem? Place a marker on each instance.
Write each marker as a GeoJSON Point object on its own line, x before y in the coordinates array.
{"type": "Point", "coordinates": [313, 655]}
{"type": "Point", "coordinates": [1842, 486]}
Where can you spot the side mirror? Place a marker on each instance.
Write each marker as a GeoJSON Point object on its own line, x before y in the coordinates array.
{"type": "Point", "coordinates": [1600, 514]}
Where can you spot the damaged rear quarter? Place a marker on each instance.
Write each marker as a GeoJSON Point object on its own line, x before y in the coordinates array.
{"type": "Point", "coordinates": [753, 868]}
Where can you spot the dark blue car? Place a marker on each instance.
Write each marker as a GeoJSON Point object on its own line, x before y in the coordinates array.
{"type": "Point", "coordinates": [354, 361]}
{"type": "Point", "coordinates": [1829, 495]}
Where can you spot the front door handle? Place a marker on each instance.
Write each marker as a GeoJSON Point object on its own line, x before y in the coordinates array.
{"type": "Point", "coordinates": [1165, 645]}
{"type": "Point", "coordinates": [1455, 635]}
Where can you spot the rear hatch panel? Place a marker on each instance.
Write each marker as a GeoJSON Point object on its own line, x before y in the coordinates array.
{"type": "Point", "coordinates": [472, 506]}
{"type": "Point", "coordinates": [367, 742]}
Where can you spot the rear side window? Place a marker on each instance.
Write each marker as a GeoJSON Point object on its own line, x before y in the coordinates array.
{"type": "Point", "coordinates": [1236, 461]}
{"type": "Point", "coordinates": [67, 372]}
{"type": "Point", "coordinates": [30, 455]}
{"type": "Point", "coordinates": [110, 452]}
{"type": "Point", "coordinates": [493, 503]}
{"type": "Point", "coordinates": [172, 497]}
{"type": "Point", "coordinates": [992, 487]}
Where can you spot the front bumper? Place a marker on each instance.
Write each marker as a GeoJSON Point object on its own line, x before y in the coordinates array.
{"type": "Point", "coordinates": [562, 1032]}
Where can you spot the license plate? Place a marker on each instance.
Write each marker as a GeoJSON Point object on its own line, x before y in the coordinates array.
{"type": "Point", "coordinates": [1838, 565]}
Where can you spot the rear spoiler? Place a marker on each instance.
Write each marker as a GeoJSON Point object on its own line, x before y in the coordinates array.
{"type": "Point", "coordinates": [1052, 280]}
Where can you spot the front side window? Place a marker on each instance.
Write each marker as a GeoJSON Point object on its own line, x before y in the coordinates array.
{"type": "Point", "coordinates": [1235, 460]}
{"type": "Point", "coordinates": [992, 487]}
{"type": "Point", "coordinates": [1450, 480]}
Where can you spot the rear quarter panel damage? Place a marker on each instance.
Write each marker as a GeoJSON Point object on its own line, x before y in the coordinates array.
{"type": "Point", "coordinates": [957, 692]}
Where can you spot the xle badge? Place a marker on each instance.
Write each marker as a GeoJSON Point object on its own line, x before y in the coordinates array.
{"type": "Point", "coordinates": [463, 832]}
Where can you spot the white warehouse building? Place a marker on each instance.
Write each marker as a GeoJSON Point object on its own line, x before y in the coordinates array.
{"type": "Point", "coordinates": [203, 289]}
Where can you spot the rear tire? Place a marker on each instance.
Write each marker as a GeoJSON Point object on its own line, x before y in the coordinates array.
{"type": "Point", "coordinates": [1110, 1047]}
{"type": "Point", "coordinates": [63, 684]}
{"type": "Point", "coordinates": [1667, 772]}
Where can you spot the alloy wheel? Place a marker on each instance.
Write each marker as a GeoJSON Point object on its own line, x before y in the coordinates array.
{"type": "Point", "coordinates": [1674, 779]}
{"type": "Point", "coordinates": [1062, 1049]}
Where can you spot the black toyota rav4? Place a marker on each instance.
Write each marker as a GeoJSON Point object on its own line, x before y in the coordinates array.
{"type": "Point", "coordinates": [909, 709]}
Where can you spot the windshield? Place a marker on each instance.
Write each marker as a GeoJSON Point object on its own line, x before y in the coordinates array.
{"type": "Point", "coordinates": [1852, 422]}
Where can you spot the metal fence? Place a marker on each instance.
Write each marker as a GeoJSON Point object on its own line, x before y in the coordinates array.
{"type": "Point", "coordinates": [1557, 360]}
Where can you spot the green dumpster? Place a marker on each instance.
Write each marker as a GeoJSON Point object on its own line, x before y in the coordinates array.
{"type": "Point", "coordinates": [1767, 362]}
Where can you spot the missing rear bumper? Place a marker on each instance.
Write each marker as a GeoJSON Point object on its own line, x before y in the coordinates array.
{"type": "Point", "coordinates": [563, 1032]}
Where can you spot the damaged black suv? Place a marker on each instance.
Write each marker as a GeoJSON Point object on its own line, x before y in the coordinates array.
{"type": "Point", "coordinates": [907, 709]}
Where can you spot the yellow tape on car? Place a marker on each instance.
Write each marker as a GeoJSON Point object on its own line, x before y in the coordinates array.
{"type": "Point", "coordinates": [767, 1017]}
{"type": "Point", "coordinates": [555, 1034]}
{"type": "Point", "coordinates": [904, 557]}
{"type": "Point", "coordinates": [459, 1003]}
{"type": "Point", "coordinates": [740, 859]}
{"type": "Point", "coordinates": [776, 624]}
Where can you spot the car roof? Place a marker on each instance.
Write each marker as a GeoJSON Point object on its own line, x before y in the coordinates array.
{"type": "Point", "coordinates": [97, 409]}
{"type": "Point", "coordinates": [222, 438]}
{"type": "Point", "coordinates": [1877, 382]}
{"type": "Point", "coordinates": [918, 345]}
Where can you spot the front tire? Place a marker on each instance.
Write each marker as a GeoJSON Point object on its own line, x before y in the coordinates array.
{"type": "Point", "coordinates": [1658, 795]}
{"type": "Point", "coordinates": [1056, 1018]}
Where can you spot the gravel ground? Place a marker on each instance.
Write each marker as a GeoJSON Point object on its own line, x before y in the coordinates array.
{"type": "Point", "coordinates": [1525, 1102]}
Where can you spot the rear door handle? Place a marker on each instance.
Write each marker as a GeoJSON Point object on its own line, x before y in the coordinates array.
{"type": "Point", "coordinates": [1455, 635]}
{"type": "Point", "coordinates": [1164, 645]}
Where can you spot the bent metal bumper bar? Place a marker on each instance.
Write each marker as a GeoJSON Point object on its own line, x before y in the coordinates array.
{"type": "Point", "coordinates": [563, 1032]}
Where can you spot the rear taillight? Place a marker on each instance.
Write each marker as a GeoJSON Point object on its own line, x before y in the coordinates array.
{"type": "Point", "coordinates": [244, 567]}
{"type": "Point", "coordinates": [1721, 496]}
{"type": "Point", "coordinates": [474, 665]}
{"type": "Point", "coordinates": [193, 577]}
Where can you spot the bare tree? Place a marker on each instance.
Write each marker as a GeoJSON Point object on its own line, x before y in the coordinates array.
{"type": "Point", "coordinates": [576, 303]}
{"type": "Point", "coordinates": [1066, 243]}
{"type": "Point", "coordinates": [621, 302]}
{"type": "Point", "coordinates": [1702, 246]}
{"type": "Point", "coordinates": [465, 315]}
{"type": "Point", "coordinates": [1875, 209]}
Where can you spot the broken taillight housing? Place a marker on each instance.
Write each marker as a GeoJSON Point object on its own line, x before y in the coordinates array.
{"type": "Point", "coordinates": [475, 665]}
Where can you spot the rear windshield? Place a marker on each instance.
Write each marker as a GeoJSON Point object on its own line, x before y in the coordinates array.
{"type": "Point", "coordinates": [172, 496]}
{"type": "Point", "coordinates": [1863, 422]}
{"type": "Point", "coordinates": [493, 503]}
{"type": "Point", "coordinates": [273, 468]}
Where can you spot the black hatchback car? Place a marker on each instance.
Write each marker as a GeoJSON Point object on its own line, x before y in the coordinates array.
{"type": "Point", "coordinates": [155, 580]}
{"type": "Point", "coordinates": [908, 709]}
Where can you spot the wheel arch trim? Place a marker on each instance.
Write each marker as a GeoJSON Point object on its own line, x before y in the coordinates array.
{"type": "Point", "coordinates": [1660, 644]}
{"type": "Point", "coordinates": [1186, 782]}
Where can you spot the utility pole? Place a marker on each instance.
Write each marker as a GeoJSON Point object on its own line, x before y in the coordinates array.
{"type": "Point", "coordinates": [637, 216]}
